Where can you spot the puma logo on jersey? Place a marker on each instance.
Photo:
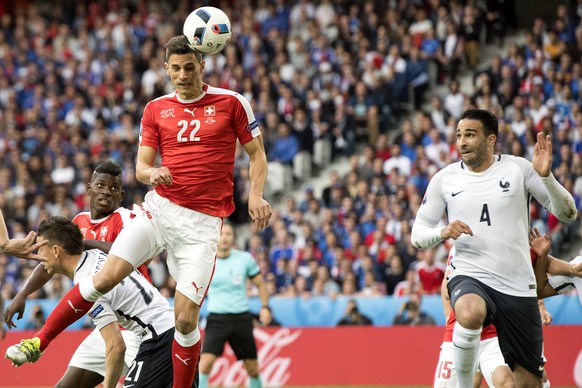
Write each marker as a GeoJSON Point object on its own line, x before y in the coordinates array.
{"type": "Point", "coordinates": [73, 307]}
{"type": "Point", "coordinates": [94, 234]}
{"type": "Point", "coordinates": [190, 111]}
{"type": "Point", "coordinates": [185, 361]}
{"type": "Point", "coordinates": [196, 287]}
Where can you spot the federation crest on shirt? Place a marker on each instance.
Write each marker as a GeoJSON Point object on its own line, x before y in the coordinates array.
{"type": "Point", "coordinates": [209, 110]}
{"type": "Point", "coordinates": [167, 113]}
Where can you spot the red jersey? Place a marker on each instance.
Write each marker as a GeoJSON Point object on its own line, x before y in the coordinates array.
{"type": "Point", "coordinates": [106, 229]}
{"type": "Point", "coordinates": [196, 140]}
{"type": "Point", "coordinates": [430, 276]}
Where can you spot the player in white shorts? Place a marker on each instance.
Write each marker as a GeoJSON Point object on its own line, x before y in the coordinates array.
{"type": "Point", "coordinates": [99, 227]}
{"type": "Point", "coordinates": [90, 354]}
{"type": "Point", "coordinates": [490, 362]}
{"type": "Point", "coordinates": [135, 304]}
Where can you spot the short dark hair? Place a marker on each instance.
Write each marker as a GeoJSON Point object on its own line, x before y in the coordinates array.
{"type": "Point", "coordinates": [488, 119]}
{"type": "Point", "coordinates": [180, 45]}
{"type": "Point", "coordinates": [108, 167]}
{"type": "Point", "coordinates": [61, 231]}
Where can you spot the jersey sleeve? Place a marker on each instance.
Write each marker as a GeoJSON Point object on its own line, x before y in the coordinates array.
{"type": "Point", "coordinates": [148, 129]}
{"type": "Point", "coordinates": [549, 192]}
{"type": "Point", "coordinates": [426, 231]}
{"type": "Point", "coordinates": [102, 313]}
{"type": "Point", "coordinates": [252, 266]}
{"type": "Point", "coordinates": [244, 123]}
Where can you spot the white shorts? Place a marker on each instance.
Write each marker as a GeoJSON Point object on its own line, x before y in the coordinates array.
{"type": "Point", "coordinates": [489, 358]}
{"type": "Point", "coordinates": [90, 355]}
{"type": "Point", "coordinates": [189, 237]}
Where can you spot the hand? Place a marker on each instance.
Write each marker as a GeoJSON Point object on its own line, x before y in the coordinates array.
{"type": "Point", "coordinates": [541, 244]}
{"type": "Point", "coordinates": [161, 176]}
{"type": "Point", "coordinates": [546, 316]}
{"type": "Point", "coordinates": [260, 211]}
{"type": "Point", "coordinates": [265, 316]}
{"type": "Point", "coordinates": [542, 156]}
{"type": "Point", "coordinates": [24, 248]}
{"type": "Point", "coordinates": [455, 229]}
{"type": "Point", "coordinates": [16, 306]}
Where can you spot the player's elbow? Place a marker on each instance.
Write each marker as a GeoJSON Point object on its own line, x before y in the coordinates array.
{"type": "Point", "coordinates": [118, 348]}
{"type": "Point", "coordinates": [569, 215]}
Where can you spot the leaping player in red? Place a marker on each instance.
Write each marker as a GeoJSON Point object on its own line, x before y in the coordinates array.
{"type": "Point", "coordinates": [195, 130]}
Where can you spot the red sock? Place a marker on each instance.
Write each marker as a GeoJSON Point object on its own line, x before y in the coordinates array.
{"type": "Point", "coordinates": [184, 361]}
{"type": "Point", "coordinates": [72, 307]}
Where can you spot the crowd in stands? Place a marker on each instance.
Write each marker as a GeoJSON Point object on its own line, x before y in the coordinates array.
{"type": "Point", "coordinates": [75, 76]}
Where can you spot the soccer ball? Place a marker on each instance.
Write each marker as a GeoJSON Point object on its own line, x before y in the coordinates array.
{"type": "Point", "coordinates": [208, 30]}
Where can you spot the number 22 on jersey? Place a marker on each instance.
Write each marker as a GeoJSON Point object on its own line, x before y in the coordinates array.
{"type": "Point", "coordinates": [193, 126]}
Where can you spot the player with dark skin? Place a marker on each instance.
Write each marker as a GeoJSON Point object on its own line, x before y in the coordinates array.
{"type": "Point", "coordinates": [105, 195]}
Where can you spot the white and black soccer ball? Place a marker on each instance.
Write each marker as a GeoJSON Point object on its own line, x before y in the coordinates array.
{"type": "Point", "coordinates": [208, 30]}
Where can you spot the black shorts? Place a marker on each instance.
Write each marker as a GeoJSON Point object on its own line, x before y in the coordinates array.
{"type": "Point", "coordinates": [236, 329]}
{"type": "Point", "coordinates": [152, 366]}
{"type": "Point", "coordinates": [517, 320]}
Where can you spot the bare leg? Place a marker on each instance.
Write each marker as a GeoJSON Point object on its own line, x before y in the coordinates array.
{"type": "Point", "coordinates": [525, 379]}
{"type": "Point", "coordinates": [79, 378]}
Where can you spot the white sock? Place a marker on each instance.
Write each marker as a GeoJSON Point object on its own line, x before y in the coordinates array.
{"type": "Point", "coordinates": [466, 343]}
{"type": "Point", "coordinates": [88, 290]}
{"type": "Point", "coordinates": [187, 340]}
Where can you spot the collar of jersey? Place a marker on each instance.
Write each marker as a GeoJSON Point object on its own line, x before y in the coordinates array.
{"type": "Point", "coordinates": [204, 90]}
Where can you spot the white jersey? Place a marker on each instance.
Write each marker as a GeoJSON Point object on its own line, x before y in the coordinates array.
{"type": "Point", "coordinates": [135, 304]}
{"type": "Point", "coordinates": [495, 205]}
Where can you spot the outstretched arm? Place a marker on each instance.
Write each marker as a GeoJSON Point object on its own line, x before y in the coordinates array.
{"type": "Point", "coordinates": [561, 203]}
{"type": "Point", "coordinates": [37, 279]}
{"type": "Point", "coordinates": [19, 247]}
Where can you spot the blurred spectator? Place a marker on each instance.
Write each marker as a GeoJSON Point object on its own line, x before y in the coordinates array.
{"type": "Point", "coordinates": [285, 146]}
{"type": "Point", "coordinates": [353, 316]}
{"type": "Point", "coordinates": [410, 313]}
{"type": "Point", "coordinates": [450, 54]}
{"type": "Point", "coordinates": [429, 271]}
{"type": "Point", "coordinates": [36, 319]}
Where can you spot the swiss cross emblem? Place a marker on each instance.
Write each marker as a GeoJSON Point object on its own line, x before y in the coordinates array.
{"type": "Point", "coordinates": [209, 110]}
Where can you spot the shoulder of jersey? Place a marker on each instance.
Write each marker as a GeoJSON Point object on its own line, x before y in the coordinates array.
{"type": "Point", "coordinates": [81, 215]}
{"type": "Point", "coordinates": [239, 253]}
{"type": "Point", "coordinates": [214, 90]}
{"type": "Point", "coordinates": [88, 264]}
{"type": "Point", "coordinates": [124, 213]}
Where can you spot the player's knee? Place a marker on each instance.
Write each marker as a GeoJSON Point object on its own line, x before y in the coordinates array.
{"type": "Point", "coordinates": [503, 378]}
{"type": "Point", "coordinates": [185, 325]}
{"type": "Point", "coordinates": [470, 312]}
{"type": "Point", "coordinates": [206, 363]}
